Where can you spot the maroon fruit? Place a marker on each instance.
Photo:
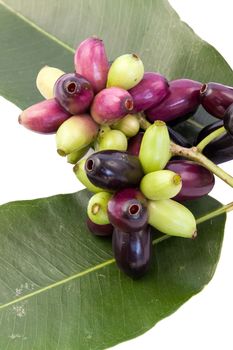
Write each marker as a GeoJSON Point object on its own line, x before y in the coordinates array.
{"type": "Point", "coordinates": [184, 98]}
{"type": "Point", "coordinates": [216, 98]}
{"type": "Point", "coordinates": [127, 210]}
{"type": "Point", "coordinates": [44, 117]}
{"type": "Point", "coordinates": [149, 92]}
{"type": "Point", "coordinates": [228, 119]}
{"type": "Point", "coordinates": [132, 251]}
{"type": "Point", "coordinates": [91, 61]}
{"type": "Point", "coordinates": [110, 105]}
{"type": "Point", "coordinates": [208, 130]}
{"type": "Point", "coordinates": [99, 230]}
{"type": "Point", "coordinates": [74, 93]}
{"type": "Point", "coordinates": [134, 144]}
{"type": "Point", "coordinates": [113, 170]}
{"type": "Point", "coordinates": [196, 180]}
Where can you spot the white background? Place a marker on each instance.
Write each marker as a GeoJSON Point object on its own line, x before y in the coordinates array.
{"type": "Point", "coordinates": [30, 168]}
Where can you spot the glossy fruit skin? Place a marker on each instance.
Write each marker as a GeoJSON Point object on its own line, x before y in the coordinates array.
{"type": "Point", "coordinates": [110, 105]}
{"type": "Point", "coordinates": [97, 208]}
{"type": "Point", "coordinates": [127, 210]}
{"type": "Point", "coordinates": [44, 117]}
{"type": "Point", "coordinates": [91, 62]}
{"type": "Point", "coordinates": [161, 184]}
{"type": "Point", "coordinates": [208, 130]}
{"type": "Point", "coordinates": [76, 133]}
{"type": "Point", "coordinates": [79, 170]}
{"type": "Point", "coordinates": [129, 125]}
{"type": "Point", "coordinates": [216, 98]}
{"type": "Point", "coordinates": [46, 80]}
{"type": "Point", "coordinates": [184, 98]}
{"type": "Point", "coordinates": [197, 181]}
{"type": "Point", "coordinates": [228, 119]}
{"type": "Point", "coordinates": [114, 140]}
{"type": "Point", "coordinates": [99, 230]}
{"type": "Point", "coordinates": [75, 156]}
{"type": "Point", "coordinates": [177, 138]}
{"type": "Point", "coordinates": [219, 150]}
{"type": "Point", "coordinates": [155, 147]}
{"type": "Point", "coordinates": [149, 92]}
{"type": "Point", "coordinates": [74, 93]}
{"type": "Point", "coordinates": [134, 144]}
{"type": "Point", "coordinates": [172, 218]}
{"type": "Point", "coordinates": [133, 251]}
{"type": "Point", "coordinates": [125, 72]}
{"type": "Point", "coordinates": [113, 170]}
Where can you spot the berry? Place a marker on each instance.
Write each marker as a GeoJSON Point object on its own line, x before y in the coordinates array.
{"type": "Point", "coordinates": [44, 117]}
{"type": "Point", "coordinates": [162, 184]}
{"type": "Point", "coordinates": [75, 156]}
{"type": "Point", "coordinates": [114, 139]}
{"type": "Point", "coordinates": [74, 93]}
{"type": "Point", "coordinates": [125, 72]}
{"type": "Point", "coordinates": [127, 210]}
{"type": "Point", "coordinates": [91, 62]}
{"type": "Point", "coordinates": [110, 105]}
{"type": "Point", "coordinates": [113, 170]}
{"type": "Point", "coordinates": [79, 170]}
{"type": "Point", "coordinates": [129, 125]}
{"type": "Point", "coordinates": [97, 208]}
{"type": "Point", "coordinates": [46, 80]}
{"type": "Point", "coordinates": [228, 119]}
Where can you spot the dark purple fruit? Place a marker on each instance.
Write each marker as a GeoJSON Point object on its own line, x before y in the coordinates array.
{"type": "Point", "coordinates": [113, 170]}
{"type": "Point", "coordinates": [228, 119]}
{"type": "Point", "coordinates": [74, 93]}
{"type": "Point", "coordinates": [110, 105]}
{"type": "Point", "coordinates": [132, 251]}
{"type": "Point", "coordinates": [44, 117]}
{"type": "Point", "coordinates": [91, 61]}
{"type": "Point", "coordinates": [127, 210]}
{"type": "Point", "coordinates": [149, 92]}
{"type": "Point", "coordinates": [178, 138]}
{"type": "Point", "coordinates": [134, 144]}
{"type": "Point", "coordinates": [99, 230]}
{"type": "Point", "coordinates": [196, 180]}
{"type": "Point", "coordinates": [208, 130]}
{"type": "Point", "coordinates": [216, 98]}
{"type": "Point", "coordinates": [184, 98]}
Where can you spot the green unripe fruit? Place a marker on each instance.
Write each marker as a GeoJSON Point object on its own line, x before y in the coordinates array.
{"type": "Point", "coordinates": [129, 125]}
{"type": "Point", "coordinates": [125, 72]}
{"type": "Point", "coordinates": [46, 80]}
{"type": "Point", "coordinates": [161, 184]}
{"type": "Point", "coordinates": [155, 147]}
{"type": "Point", "coordinates": [97, 208]}
{"type": "Point", "coordinates": [114, 140]}
{"type": "Point", "coordinates": [172, 218]}
{"type": "Point", "coordinates": [79, 170]}
{"type": "Point", "coordinates": [76, 133]}
{"type": "Point", "coordinates": [75, 156]}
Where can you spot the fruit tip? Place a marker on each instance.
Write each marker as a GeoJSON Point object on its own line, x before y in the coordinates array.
{"type": "Point", "coordinates": [194, 235]}
{"type": "Point", "coordinates": [61, 152]}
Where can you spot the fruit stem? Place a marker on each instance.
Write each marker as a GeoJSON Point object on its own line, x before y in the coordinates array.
{"type": "Point", "coordinates": [144, 124]}
{"type": "Point", "coordinates": [195, 155]}
{"type": "Point", "coordinates": [213, 135]}
{"type": "Point", "coordinates": [223, 209]}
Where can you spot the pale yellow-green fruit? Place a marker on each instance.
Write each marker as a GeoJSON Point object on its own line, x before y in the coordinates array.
{"type": "Point", "coordinates": [75, 156]}
{"type": "Point", "coordinates": [79, 170]}
{"type": "Point", "coordinates": [97, 208]}
{"type": "Point", "coordinates": [46, 80]}
{"type": "Point", "coordinates": [161, 184]}
{"type": "Point", "coordinates": [113, 139]}
{"type": "Point", "coordinates": [129, 125]}
{"type": "Point", "coordinates": [155, 147]}
{"type": "Point", "coordinates": [125, 72]}
{"type": "Point", "coordinates": [76, 133]}
{"type": "Point", "coordinates": [172, 218]}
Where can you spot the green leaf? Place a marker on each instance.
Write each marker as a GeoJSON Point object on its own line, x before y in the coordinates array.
{"type": "Point", "coordinates": [61, 289]}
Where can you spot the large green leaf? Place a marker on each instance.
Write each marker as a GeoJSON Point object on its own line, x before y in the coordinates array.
{"type": "Point", "coordinates": [60, 288]}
